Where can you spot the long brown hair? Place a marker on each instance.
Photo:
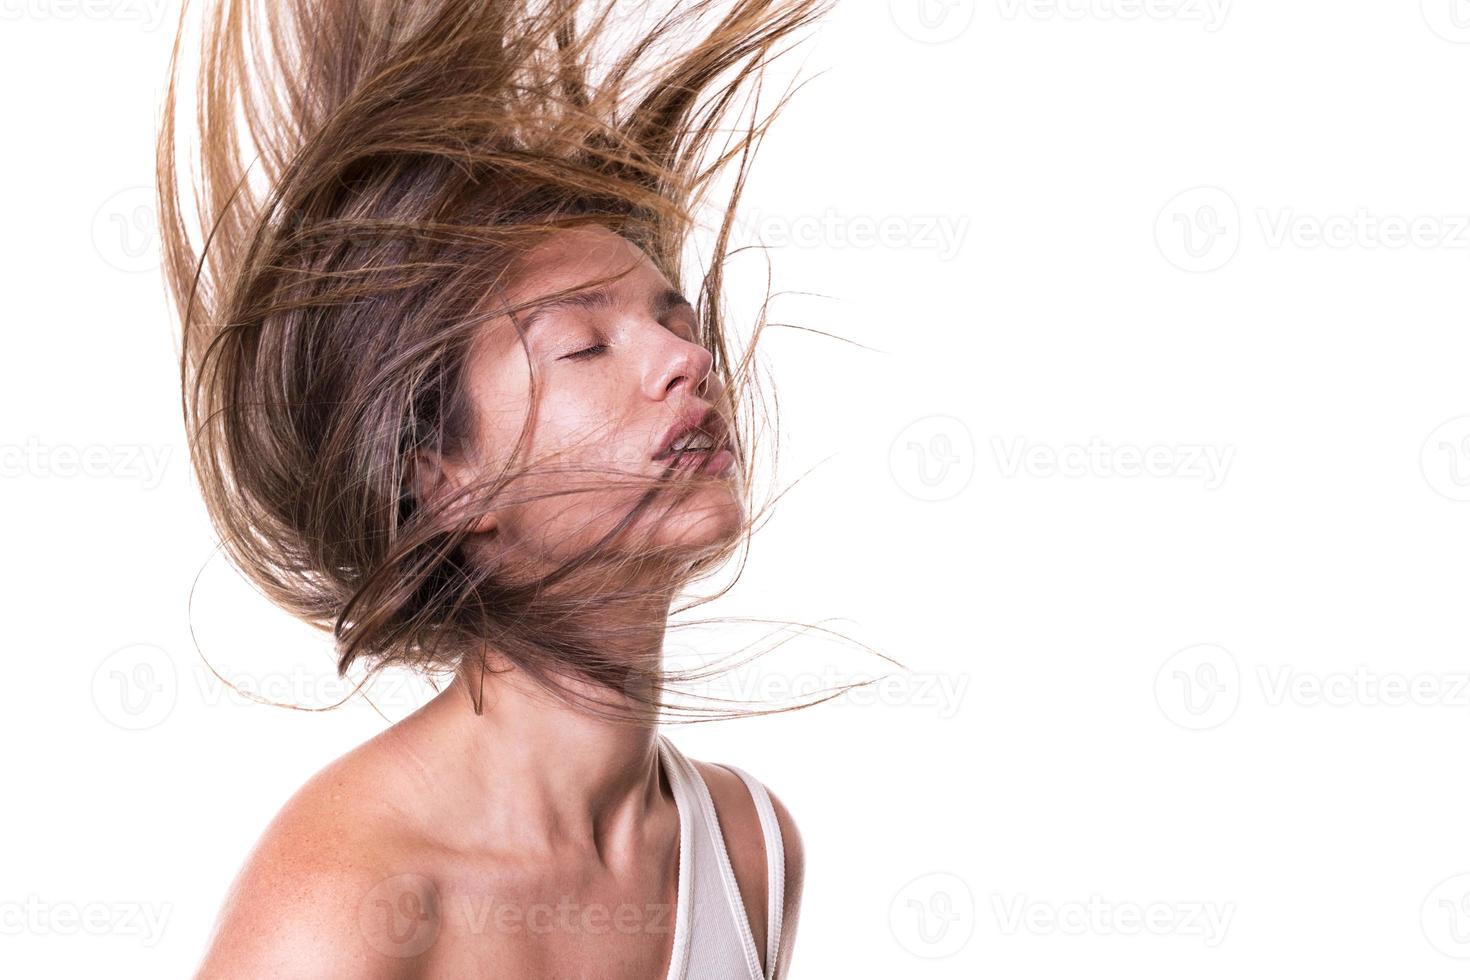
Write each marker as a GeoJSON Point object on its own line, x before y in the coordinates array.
{"type": "Point", "coordinates": [366, 173]}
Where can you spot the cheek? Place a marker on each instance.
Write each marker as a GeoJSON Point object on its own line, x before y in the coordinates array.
{"type": "Point", "coordinates": [579, 419]}
{"type": "Point", "coordinates": [499, 394]}
{"type": "Point", "coordinates": [581, 424]}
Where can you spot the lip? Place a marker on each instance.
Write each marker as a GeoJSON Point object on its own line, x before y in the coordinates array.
{"type": "Point", "coordinates": [695, 419]}
{"type": "Point", "coordinates": [717, 462]}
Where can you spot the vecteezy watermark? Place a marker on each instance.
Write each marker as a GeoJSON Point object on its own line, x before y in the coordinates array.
{"type": "Point", "coordinates": [940, 693]}
{"type": "Point", "coordinates": [1445, 916]}
{"type": "Point", "coordinates": [33, 458]}
{"type": "Point", "coordinates": [1198, 687]}
{"type": "Point", "coordinates": [1207, 463]}
{"type": "Point", "coordinates": [565, 915]}
{"type": "Point", "coordinates": [35, 916]}
{"type": "Point", "coordinates": [1201, 686]}
{"type": "Point", "coordinates": [932, 458]}
{"type": "Point", "coordinates": [399, 915]}
{"type": "Point", "coordinates": [1210, 14]}
{"type": "Point", "coordinates": [125, 230]}
{"type": "Point", "coordinates": [1097, 916]}
{"type": "Point", "coordinates": [136, 687]}
{"type": "Point", "coordinates": [1363, 228]}
{"type": "Point", "coordinates": [405, 914]}
{"type": "Point", "coordinates": [1445, 459]}
{"type": "Point", "coordinates": [932, 21]}
{"type": "Point", "coordinates": [942, 234]}
{"type": "Point", "coordinates": [1198, 230]}
{"type": "Point", "coordinates": [1450, 19]}
{"type": "Point", "coordinates": [148, 13]}
{"type": "Point", "coordinates": [1361, 687]}
{"type": "Point", "coordinates": [302, 687]}
{"type": "Point", "coordinates": [933, 916]}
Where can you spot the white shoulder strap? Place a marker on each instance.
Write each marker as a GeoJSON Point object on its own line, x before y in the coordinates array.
{"type": "Point", "coordinates": [775, 864]}
{"type": "Point", "coordinates": [673, 766]}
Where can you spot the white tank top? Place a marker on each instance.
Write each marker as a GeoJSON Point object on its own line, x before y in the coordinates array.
{"type": "Point", "coordinates": [712, 936]}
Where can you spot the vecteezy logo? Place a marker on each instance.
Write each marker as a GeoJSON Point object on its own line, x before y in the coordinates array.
{"type": "Point", "coordinates": [933, 458]}
{"type": "Point", "coordinates": [933, 916]}
{"type": "Point", "coordinates": [932, 21]}
{"type": "Point", "coordinates": [1199, 229]}
{"type": "Point", "coordinates": [1450, 19]}
{"type": "Point", "coordinates": [125, 230]}
{"type": "Point", "coordinates": [398, 916]}
{"type": "Point", "coordinates": [1445, 916]}
{"type": "Point", "coordinates": [1445, 459]}
{"type": "Point", "coordinates": [135, 687]}
{"type": "Point", "coordinates": [1198, 687]}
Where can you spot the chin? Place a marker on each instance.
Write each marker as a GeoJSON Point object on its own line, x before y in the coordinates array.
{"type": "Point", "coordinates": [707, 518]}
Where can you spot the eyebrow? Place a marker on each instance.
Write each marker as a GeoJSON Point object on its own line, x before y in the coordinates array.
{"type": "Point", "coordinates": [599, 299]}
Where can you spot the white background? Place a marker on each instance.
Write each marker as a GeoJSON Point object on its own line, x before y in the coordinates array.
{"type": "Point", "coordinates": [1191, 719]}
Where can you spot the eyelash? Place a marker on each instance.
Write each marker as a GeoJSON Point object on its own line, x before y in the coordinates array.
{"type": "Point", "coordinates": [592, 351]}
{"type": "Point", "coordinates": [585, 353]}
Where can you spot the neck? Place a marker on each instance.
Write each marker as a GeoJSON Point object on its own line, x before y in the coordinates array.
{"type": "Point", "coordinates": [533, 774]}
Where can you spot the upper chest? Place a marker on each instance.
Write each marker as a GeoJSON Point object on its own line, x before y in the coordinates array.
{"type": "Point", "coordinates": [487, 917]}
{"type": "Point", "coordinates": [582, 929]}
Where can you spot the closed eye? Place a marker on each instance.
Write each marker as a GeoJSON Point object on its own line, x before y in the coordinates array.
{"type": "Point", "coordinates": [586, 352]}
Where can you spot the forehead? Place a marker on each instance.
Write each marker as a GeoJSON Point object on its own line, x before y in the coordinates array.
{"type": "Point", "coordinates": [572, 257]}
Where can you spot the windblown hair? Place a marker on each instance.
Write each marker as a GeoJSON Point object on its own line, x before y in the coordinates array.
{"type": "Point", "coordinates": [366, 175]}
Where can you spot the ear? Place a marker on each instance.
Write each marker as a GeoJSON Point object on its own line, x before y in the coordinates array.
{"type": "Point", "coordinates": [435, 480]}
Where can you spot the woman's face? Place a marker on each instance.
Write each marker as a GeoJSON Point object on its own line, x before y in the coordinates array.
{"type": "Point", "coordinates": [616, 369]}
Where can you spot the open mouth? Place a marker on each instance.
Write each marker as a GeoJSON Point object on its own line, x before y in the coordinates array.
{"type": "Point", "coordinates": [703, 445]}
{"type": "Point", "coordinates": [716, 461]}
{"type": "Point", "coordinates": [699, 451]}
{"type": "Point", "coordinates": [695, 441]}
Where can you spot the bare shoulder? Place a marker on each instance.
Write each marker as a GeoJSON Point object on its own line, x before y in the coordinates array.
{"type": "Point", "coordinates": [740, 824]}
{"type": "Point", "coordinates": [327, 890]}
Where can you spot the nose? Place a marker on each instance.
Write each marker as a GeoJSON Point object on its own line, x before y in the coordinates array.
{"type": "Point", "coordinates": [678, 363]}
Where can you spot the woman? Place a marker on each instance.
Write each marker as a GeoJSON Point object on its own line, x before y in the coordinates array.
{"type": "Point", "coordinates": [448, 397]}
